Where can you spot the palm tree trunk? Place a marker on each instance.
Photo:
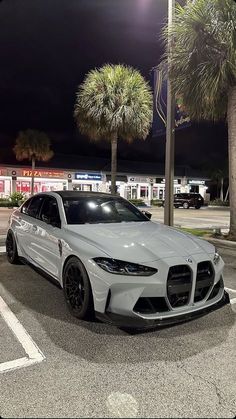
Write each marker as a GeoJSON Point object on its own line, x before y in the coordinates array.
{"type": "Point", "coordinates": [32, 176]}
{"type": "Point", "coordinates": [222, 189]}
{"type": "Point", "coordinates": [113, 163]}
{"type": "Point", "coordinates": [232, 158]}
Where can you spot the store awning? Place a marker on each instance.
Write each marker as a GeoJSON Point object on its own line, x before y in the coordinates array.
{"type": "Point", "coordinates": [119, 178]}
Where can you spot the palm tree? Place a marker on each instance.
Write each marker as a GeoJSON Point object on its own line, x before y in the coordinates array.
{"type": "Point", "coordinates": [32, 145]}
{"type": "Point", "coordinates": [203, 70]}
{"type": "Point", "coordinates": [114, 102]}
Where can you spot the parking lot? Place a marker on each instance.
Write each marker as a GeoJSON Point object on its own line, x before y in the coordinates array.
{"type": "Point", "coordinates": [203, 218]}
{"type": "Point", "coordinates": [90, 369]}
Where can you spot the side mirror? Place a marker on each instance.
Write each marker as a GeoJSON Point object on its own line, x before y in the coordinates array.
{"type": "Point", "coordinates": [148, 214]}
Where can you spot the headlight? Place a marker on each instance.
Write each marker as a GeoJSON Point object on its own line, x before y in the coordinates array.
{"type": "Point", "coordinates": [119, 267]}
{"type": "Point", "coordinates": [216, 258]}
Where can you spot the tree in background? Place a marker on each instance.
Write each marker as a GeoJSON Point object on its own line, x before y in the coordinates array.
{"type": "Point", "coordinates": [114, 102]}
{"type": "Point", "coordinates": [34, 146]}
{"type": "Point", "coordinates": [218, 171]}
{"type": "Point", "coordinates": [203, 70]}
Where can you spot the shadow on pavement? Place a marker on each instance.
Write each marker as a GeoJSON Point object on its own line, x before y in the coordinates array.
{"type": "Point", "coordinates": [104, 344]}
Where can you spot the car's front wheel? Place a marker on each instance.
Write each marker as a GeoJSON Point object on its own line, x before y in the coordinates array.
{"type": "Point", "coordinates": [77, 289]}
{"type": "Point", "coordinates": [11, 249]}
{"type": "Point", "coordinates": [186, 205]}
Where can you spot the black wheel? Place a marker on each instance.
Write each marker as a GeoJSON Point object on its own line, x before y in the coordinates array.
{"type": "Point", "coordinates": [198, 206]}
{"type": "Point", "coordinates": [77, 289]}
{"type": "Point", "coordinates": [186, 205]}
{"type": "Point", "coordinates": [11, 249]}
{"type": "Point", "coordinates": [176, 206]}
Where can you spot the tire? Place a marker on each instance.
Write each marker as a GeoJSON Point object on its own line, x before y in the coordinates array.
{"type": "Point", "coordinates": [77, 289]}
{"type": "Point", "coordinates": [186, 205]}
{"type": "Point", "coordinates": [198, 206]}
{"type": "Point", "coordinates": [176, 206]}
{"type": "Point", "coordinates": [11, 249]}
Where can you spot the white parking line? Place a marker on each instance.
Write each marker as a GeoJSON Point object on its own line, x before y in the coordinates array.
{"type": "Point", "coordinates": [34, 354]}
{"type": "Point", "coordinates": [2, 249]}
{"type": "Point", "coordinates": [230, 290]}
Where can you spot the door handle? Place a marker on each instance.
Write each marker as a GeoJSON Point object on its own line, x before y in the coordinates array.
{"type": "Point", "coordinates": [35, 227]}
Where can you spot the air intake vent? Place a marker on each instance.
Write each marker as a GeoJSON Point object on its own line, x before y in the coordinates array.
{"type": "Point", "coordinates": [151, 305]}
{"type": "Point", "coordinates": [216, 289]}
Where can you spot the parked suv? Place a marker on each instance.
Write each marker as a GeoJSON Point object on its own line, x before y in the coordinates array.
{"type": "Point", "coordinates": [187, 200]}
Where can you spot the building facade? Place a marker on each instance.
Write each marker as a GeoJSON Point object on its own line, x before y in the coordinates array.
{"type": "Point", "coordinates": [129, 185]}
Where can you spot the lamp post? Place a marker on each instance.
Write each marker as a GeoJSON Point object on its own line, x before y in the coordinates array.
{"type": "Point", "coordinates": [170, 136]}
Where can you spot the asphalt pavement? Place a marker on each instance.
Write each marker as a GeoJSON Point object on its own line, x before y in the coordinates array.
{"type": "Point", "coordinates": [96, 370]}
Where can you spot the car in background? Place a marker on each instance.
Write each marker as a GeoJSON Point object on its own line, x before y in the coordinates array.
{"type": "Point", "coordinates": [112, 261]}
{"type": "Point", "coordinates": [188, 200]}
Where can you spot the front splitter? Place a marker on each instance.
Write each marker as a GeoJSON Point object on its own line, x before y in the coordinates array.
{"type": "Point", "coordinates": [140, 323]}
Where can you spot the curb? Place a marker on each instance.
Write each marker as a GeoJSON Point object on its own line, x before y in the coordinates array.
{"type": "Point", "coordinates": [2, 240]}
{"type": "Point", "coordinates": [222, 243]}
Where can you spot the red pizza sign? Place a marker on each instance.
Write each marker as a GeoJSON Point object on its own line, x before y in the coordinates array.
{"type": "Point", "coordinates": [43, 173]}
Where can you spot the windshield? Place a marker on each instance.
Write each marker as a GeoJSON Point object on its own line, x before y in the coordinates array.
{"type": "Point", "coordinates": [94, 210]}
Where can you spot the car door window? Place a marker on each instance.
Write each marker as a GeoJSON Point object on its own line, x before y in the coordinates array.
{"type": "Point", "coordinates": [49, 212]}
{"type": "Point", "coordinates": [34, 206]}
{"type": "Point", "coordinates": [25, 206]}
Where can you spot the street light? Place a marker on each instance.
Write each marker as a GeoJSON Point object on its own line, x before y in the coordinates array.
{"type": "Point", "coordinates": [170, 135]}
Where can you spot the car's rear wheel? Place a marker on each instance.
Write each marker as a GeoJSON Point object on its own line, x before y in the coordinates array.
{"type": "Point", "coordinates": [11, 249]}
{"type": "Point", "coordinates": [77, 289]}
{"type": "Point", "coordinates": [186, 205]}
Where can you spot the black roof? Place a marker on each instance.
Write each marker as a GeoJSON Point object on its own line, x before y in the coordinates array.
{"type": "Point", "coordinates": [83, 194]}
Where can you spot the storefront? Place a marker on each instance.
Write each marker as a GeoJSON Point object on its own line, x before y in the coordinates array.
{"type": "Point", "coordinates": [90, 182]}
{"type": "Point", "coordinates": [19, 180]}
{"type": "Point", "coordinates": [197, 186]}
{"type": "Point", "coordinates": [128, 186]}
{"type": "Point", "coordinates": [148, 188]}
{"type": "Point", "coordinates": [5, 183]}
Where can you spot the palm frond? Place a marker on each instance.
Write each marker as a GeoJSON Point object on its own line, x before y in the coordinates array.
{"type": "Point", "coordinates": [114, 99]}
{"type": "Point", "coordinates": [33, 143]}
{"type": "Point", "coordinates": [203, 60]}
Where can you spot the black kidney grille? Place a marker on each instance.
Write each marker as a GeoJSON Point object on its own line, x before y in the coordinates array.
{"type": "Point", "coordinates": [179, 285]}
{"type": "Point", "coordinates": [204, 280]}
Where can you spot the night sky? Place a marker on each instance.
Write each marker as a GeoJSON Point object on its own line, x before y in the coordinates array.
{"type": "Point", "coordinates": [46, 49]}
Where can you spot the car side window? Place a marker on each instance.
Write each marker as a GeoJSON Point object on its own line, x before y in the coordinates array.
{"type": "Point", "coordinates": [49, 212]}
{"type": "Point", "coordinates": [25, 206]}
{"type": "Point", "coordinates": [34, 206]}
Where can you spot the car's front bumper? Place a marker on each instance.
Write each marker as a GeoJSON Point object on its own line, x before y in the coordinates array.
{"type": "Point", "coordinates": [145, 323]}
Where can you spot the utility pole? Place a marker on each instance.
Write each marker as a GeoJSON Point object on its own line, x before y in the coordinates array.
{"type": "Point", "coordinates": [170, 134]}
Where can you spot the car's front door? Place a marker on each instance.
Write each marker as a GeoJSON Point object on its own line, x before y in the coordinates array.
{"type": "Point", "coordinates": [47, 236]}
{"type": "Point", "coordinates": [26, 224]}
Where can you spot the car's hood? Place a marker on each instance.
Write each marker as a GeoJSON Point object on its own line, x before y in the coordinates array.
{"type": "Point", "coordinates": [140, 241]}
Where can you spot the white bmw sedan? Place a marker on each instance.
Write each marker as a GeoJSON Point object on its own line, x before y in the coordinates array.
{"type": "Point", "coordinates": [112, 260]}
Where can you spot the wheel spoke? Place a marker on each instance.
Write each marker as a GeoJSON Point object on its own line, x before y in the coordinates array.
{"type": "Point", "coordinates": [74, 287]}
